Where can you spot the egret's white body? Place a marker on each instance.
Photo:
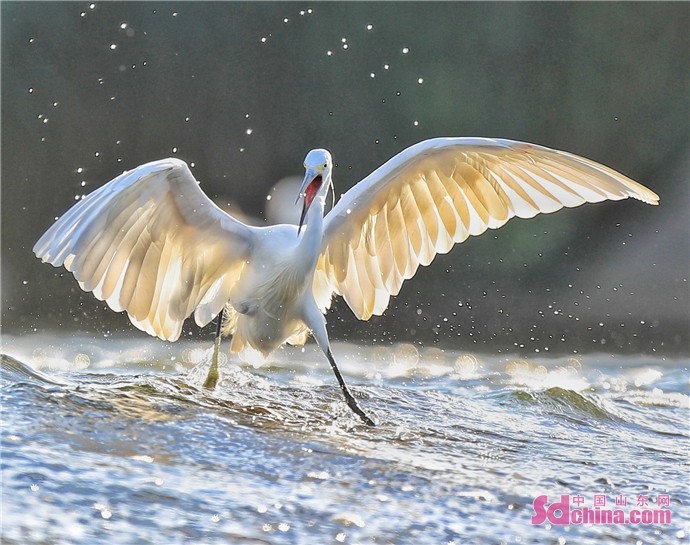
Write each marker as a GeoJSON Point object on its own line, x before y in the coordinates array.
{"type": "Point", "coordinates": [150, 242]}
{"type": "Point", "coordinates": [271, 301]}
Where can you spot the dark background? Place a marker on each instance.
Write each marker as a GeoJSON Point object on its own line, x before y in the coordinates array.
{"type": "Point", "coordinates": [89, 90]}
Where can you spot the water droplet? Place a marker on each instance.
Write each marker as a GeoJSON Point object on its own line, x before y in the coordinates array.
{"type": "Point", "coordinates": [285, 20]}
{"type": "Point", "coordinates": [174, 150]}
{"type": "Point", "coordinates": [83, 183]}
{"type": "Point", "coordinates": [113, 46]}
{"type": "Point", "coordinates": [369, 27]}
{"type": "Point", "coordinates": [386, 66]}
{"type": "Point", "coordinates": [420, 80]}
{"type": "Point", "coordinates": [97, 154]}
{"type": "Point", "coordinates": [372, 75]}
{"type": "Point", "coordinates": [310, 11]}
{"type": "Point", "coordinates": [123, 26]}
{"type": "Point", "coordinates": [174, 14]}
{"type": "Point", "coordinates": [186, 119]}
{"type": "Point", "coordinates": [249, 131]}
{"type": "Point", "coordinates": [416, 123]}
{"type": "Point", "coordinates": [343, 40]}
{"type": "Point", "coordinates": [45, 120]}
{"type": "Point", "coordinates": [329, 52]}
{"type": "Point", "coordinates": [92, 6]}
{"type": "Point", "coordinates": [192, 165]}
{"type": "Point", "coordinates": [55, 104]}
{"type": "Point", "coordinates": [80, 170]}
{"type": "Point", "coordinates": [263, 39]}
{"type": "Point", "coordinates": [268, 197]}
{"type": "Point", "coordinates": [82, 360]}
{"type": "Point", "coordinates": [405, 50]}
{"type": "Point", "coordinates": [31, 90]}
{"type": "Point", "coordinates": [25, 282]}
{"type": "Point", "coordinates": [345, 46]}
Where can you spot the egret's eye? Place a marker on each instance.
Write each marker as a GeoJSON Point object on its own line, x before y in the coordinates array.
{"type": "Point", "coordinates": [325, 165]}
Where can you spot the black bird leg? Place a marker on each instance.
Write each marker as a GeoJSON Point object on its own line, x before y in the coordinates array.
{"type": "Point", "coordinates": [348, 396]}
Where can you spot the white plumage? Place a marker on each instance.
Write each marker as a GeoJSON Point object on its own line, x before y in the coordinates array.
{"type": "Point", "coordinates": [437, 193]}
{"type": "Point", "coordinates": [151, 243]}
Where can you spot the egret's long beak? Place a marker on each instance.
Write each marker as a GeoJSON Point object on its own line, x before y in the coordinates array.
{"type": "Point", "coordinates": [310, 187]}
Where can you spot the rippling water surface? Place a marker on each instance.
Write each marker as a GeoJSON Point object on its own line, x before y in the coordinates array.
{"type": "Point", "coordinates": [115, 441]}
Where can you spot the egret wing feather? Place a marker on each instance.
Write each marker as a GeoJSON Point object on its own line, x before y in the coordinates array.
{"type": "Point", "coordinates": [150, 242]}
{"type": "Point", "coordinates": [437, 193]}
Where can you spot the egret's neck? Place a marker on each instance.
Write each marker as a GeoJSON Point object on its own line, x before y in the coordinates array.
{"type": "Point", "coordinates": [309, 245]}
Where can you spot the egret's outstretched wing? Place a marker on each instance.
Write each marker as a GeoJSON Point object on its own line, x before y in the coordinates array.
{"type": "Point", "coordinates": [437, 193]}
{"type": "Point", "coordinates": [152, 243]}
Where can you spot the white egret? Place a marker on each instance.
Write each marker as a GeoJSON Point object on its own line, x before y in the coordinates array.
{"type": "Point", "coordinates": [151, 243]}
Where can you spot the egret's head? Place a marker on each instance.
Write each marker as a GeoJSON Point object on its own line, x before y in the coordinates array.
{"type": "Point", "coordinates": [317, 179]}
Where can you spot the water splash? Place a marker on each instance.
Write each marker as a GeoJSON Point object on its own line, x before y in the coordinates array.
{"type": "Point", "coordinates": [274, 447]}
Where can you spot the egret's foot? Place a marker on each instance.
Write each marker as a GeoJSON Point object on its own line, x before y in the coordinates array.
{"type": "Point", "coordinates": [356, 409]}
{"type": "Point", "coordinates": [348, 396]}
{"type": "Point", "coordinates": [213, 376]}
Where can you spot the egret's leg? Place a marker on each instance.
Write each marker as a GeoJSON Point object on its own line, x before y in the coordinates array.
{"type": "Point", "coordinates": [348, 396]}
{"type": "Point", "coordinates": [212, 377]}
{"type": "Point", "coordinates": [316, 322]}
